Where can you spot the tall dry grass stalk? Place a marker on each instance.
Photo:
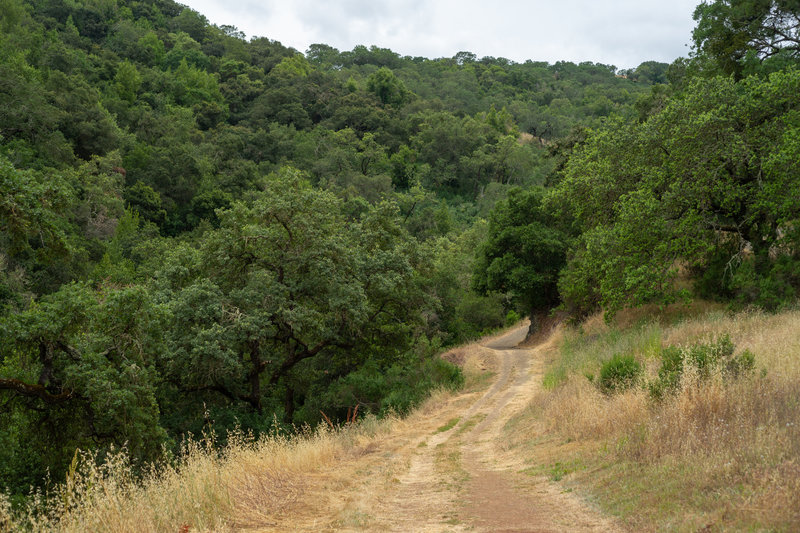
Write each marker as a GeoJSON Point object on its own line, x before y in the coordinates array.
{"type": "Point", "coordinates": [745, 433]}
{"type": "Point", "coordinates": [250, 483]}
{"type": "Point", "coordinates": [579, 411]}
{"type": "Point", "coordinates": [715, 436]}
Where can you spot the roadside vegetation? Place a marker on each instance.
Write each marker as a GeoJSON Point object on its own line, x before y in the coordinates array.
{"type": "Point", "coordinates": [702, 429]}
{"type": "Point", "coordinates": [278, 479]}
{"type": "Point", "coordinates": [248, 482]}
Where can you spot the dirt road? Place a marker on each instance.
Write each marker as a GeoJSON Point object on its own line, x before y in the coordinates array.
{"type": "Point", "coordinates": [463, 478]}
{"type": "Point", "coordinates": [448, 466]}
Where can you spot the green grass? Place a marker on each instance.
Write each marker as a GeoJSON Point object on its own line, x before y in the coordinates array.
{"type": "Point", "coordinates": [471, 423]}
{"type": "Point", "coordinates": [584, 354]}
{"type": "Point", "coordinates": [450, 425]}
{"type": "Point", "coordinates": [555, 471]}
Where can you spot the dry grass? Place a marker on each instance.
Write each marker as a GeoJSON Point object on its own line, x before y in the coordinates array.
{"type": "Point", "coordinates": [720, 452]}
{"type": "Point", "coordinates": [275, 482]}
{"type": "Point", "coordinates": [477, 363]}
{"type": "Point", "coordinates": [247, 485]}
{"type": "Point", "coordinates": [577, 410]}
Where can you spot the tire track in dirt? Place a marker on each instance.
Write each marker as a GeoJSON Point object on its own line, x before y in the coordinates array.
{"type": "Point", "coordinates": [496, 499]}
{"type": "Point", "coordinates": [463, 479]}
{"type": "Point", "coordinates": [425, 499]}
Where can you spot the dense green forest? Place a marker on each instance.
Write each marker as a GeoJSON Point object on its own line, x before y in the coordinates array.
{"type": "Point", "coordinates": [200, 232]}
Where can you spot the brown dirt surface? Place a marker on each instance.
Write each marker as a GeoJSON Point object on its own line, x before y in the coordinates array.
{"type": "Point", "coordinates": [448, 467]}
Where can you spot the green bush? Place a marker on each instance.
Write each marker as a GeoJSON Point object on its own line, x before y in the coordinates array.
{"type": "Point", "coordinates": [773, 289]}
{"type": "Point", "coordinates": [512, 317]}
{"type": "Point", "coordinates": [443, 373]}
{"type": "Point", "coordinates": [619, 373]}
{"type": "Point", "coordinates": [669, 375]}
{"type": "Point", "coordinates": [704, 358]}
{"type": "Point", "coordinates": [476, 315]}
{"type": "Point", "coordinates": [712, 278]}
{"type": "Point", "coordinates": [740, 364]}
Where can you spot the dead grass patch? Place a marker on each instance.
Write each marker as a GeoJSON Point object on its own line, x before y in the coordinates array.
{"type": "Point", "coordinates": [477, 363]}
{"type": "Point", "coordinates": [251, 483]}
{"type": "Point", "coordinates": [720, 453]}
{"type": "Point", "coordinates": [577, 410]}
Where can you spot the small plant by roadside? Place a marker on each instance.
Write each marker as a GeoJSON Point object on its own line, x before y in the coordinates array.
{"type": "Point", "coordinates": [705, 358]}
{"type": "Point", "coordinates": [619, 373]}
{"type": "Point", "coordinates": [512, 317]}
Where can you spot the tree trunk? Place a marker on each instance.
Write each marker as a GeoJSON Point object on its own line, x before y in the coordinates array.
{"type": "Point", "coordinates": [761, 259]}
{"type": "Point", "coordinates": [288, 405]}
{"type": "Point", "coordinates": [533, 329]}
{"type": "Point", "coordinates": [254, 398]}
{"type": "Point", "coordinates": [46, 359]}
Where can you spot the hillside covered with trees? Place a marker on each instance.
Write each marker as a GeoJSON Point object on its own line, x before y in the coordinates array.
{"type": "Point", "coordinates": [201, 232]}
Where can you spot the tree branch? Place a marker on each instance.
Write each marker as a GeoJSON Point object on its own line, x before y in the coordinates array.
{"type": "Point", "coordinates": [35, 391]}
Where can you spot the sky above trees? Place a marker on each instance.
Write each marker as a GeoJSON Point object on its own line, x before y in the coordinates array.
{"type": "Point", "coordinates": [618, 32]}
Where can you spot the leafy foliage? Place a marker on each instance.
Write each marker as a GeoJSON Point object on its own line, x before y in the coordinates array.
{"type": "Point", "coordinates": [739, 35]}
{"type": "Point", "coordinates": [704, 359]}
{"type": "Point", "coordinates": [200, 231]}
{"type": "Point", "coordinates": [700, 177]}
{"type": "Point", "coordinates": [619, 373]}
{"type": "Point", "coordinates": [523, 254]}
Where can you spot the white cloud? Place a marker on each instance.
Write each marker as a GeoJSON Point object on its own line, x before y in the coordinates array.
{"type": "Point", "coordinates": [619, 32]}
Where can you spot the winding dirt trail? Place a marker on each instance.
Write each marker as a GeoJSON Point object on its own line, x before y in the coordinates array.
{"type": "Point", "coordinates": [465, 479]}
{"type": "Point", "coordinates": [449, 466]}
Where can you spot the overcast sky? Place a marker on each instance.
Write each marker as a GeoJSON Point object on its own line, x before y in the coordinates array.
{"type": "Point", "coordinates": [616, 32]}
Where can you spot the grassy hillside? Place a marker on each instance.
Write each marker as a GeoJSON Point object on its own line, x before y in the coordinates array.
{"type": "Point", "coordinates": [719, 451]}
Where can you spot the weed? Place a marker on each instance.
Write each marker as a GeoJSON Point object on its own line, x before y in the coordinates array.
{"type": "Point", "coordinates": [619, 373]}
{"type": "Point", "coordinates": [557, 472]}
{"type": "Point", "coordinates": [450, 425]}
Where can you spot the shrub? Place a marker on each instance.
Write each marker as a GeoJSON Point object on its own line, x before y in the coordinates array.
{"type": "Point", "coordinates": [512, 317]}
{"type": "Point", "coordinates": [777, 288]}
{"type": "Point", "coordinates": [741, 364]}
{"type": "Point", "coordinates": [669, 375]}
{"type": "Point", "coordinates": [476, 315]}
{"type": "Point", "coordinates": [619, 373]}
{"type": "Point", "coordinates": [444, 374]}
{"type": "Point", "coordinates": [704, 358]}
